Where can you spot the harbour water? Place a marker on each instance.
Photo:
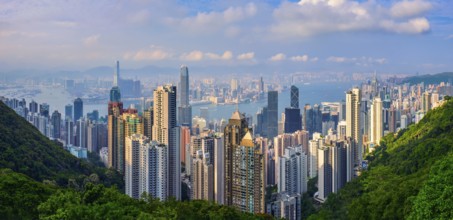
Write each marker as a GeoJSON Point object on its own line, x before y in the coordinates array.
{"type": "Point", "coordinates": [314, 93]}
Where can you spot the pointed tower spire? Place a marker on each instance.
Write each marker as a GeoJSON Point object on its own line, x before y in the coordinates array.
{"type": "Point", "coordinates": [116, 74]}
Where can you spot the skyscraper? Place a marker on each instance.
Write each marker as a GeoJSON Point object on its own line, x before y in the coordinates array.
{"type": "Point", "coordinates": [78, 109]}
{"type": "Point", "coordinates": [294, 97]}
{"type": "Point", "coordinates": [353, 99]}
{"type": "Point", "coordinates": [44, 109]}
{"type": "Point", "coordinates": [377, 121]}
{"type": "Point", "coordinates": [114, 126]}
{"type": "Point", "coordinates": [244, 167]}
{"type": "Point", "coordinates": [154, 170]}
{"type": "Point", "coordinates": [324, 173]}
{"type": "Point", "coordinates": [166, 132]}
{"type": "Point", "coordinates": [148, 123]}
{"type": "Point", "coordinates": [132, 164]}
{"type": "Point", "coordinates": [293, 171]}
{"type": "Point", "coordinates": [116, 75]}
{"type": "Point", "coordinates": [184, 110]}
{"type": "Point", "coordinates": [68, 111]}
{"type": "Point", "coordinates": [56, 124]}
{"type": "Point", "coordinates": [33, 107]}
{"type": "Point", "coordinates": [293, 120]}
{"type": "Point", "coordinates": [272, 114]}
{"type": "Point", "coordinates": [202, 177]}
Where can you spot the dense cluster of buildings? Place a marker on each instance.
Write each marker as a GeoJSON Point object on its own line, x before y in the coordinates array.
{"type": "Point", "coordinates": [233, 162]}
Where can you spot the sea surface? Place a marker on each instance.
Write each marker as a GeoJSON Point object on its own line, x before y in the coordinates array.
{"type": "Point", "coordinates": [313, 93]}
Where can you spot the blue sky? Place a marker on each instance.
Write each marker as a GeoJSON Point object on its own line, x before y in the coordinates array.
{"type": "Point", "coordinates": [388, 36]}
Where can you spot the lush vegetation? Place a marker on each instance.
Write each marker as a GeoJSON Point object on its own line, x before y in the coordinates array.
{"type": "Point", "coordinates": [410, 176]}
{"type": "Point", "coordinates": [430, 79]}
{"type": "Point", "coordinates": [40, 180]}
{"type": "Point", "coordinates": [25, 150]}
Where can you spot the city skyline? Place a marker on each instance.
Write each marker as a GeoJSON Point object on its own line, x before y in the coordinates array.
{"type": "Point", "coordinates": [257, 37]}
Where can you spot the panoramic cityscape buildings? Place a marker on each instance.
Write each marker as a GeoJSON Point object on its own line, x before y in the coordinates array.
{"type": "Point", "coordinates": [161, 147]}
{"type": "Point", "coordinates": [306, 109]}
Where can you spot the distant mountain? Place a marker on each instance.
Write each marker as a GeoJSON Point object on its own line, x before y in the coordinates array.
{"type": "Point", "coordinates": [25, 150]}
{"type": "Point", "coordinates": [430, 79]}
{"type": "Point", "coordinates": [410, 175]}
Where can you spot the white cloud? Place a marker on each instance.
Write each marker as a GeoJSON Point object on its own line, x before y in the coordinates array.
{"type": "Point", "coordinates": [312, 17]}
{"type": "Point", "coordinates": [246, 56]}
{"type": "Point", "coordinates": [303, 58]}
{"type": "Point", "coordinates": [450, 36]}
{"type": "Point", "coordinates": [91, 40]}
{"type": "Point", "coordinates": [314, 59]}
{"type": "Point", "coordinates": [410, 8]}
{"type": "Point", "coordinates": [278, 57]}
{"type": "Point", "coordinates": [216, 20]}
{"type": "Point", "coordinates": [227, 55]}
{"type": "Point", "coordinates": [195, 55]}
{"type": "Point", "coordinates": [360, 61]}
{"type": "Point", "coordinates": [152, 54]}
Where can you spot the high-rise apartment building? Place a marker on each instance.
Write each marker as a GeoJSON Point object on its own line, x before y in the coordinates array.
{"type": "Point", "coordinates": [166, 132]}
{"type": "Point", "coordinates": [115, 128]}
{"type": "Point", "coordinates": [68, 111]}
{"type": "Point", "coordinates": [244, 167]}
{"type": "Point", "coordinates": [353, 99]}
{"type": "Point", "coordinates": [202, 177]}
{"type": "Point", "coordinates": [293, 171]}
{"type": "Point", "coordinates": [56, 124]}
{"type": "Point", "coordinates": [376, 122]}
{"type": "Point", "coordinates": [133, 144]}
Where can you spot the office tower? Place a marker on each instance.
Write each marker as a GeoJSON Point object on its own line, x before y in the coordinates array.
{"type": "Point", "coordinates": [115, 130]}
{"type": "Point", "coordinates": [184, 109]}
{"type": "Point", "coordinates": [44, 109]}
{"type": "Point", "coordinates": [202, 177]}
{"type": "Point", "coordinates": [294, 97]}
{"type": "Point", "coordinates": [69, 132]}
{"type": "Point", "coordinates": [272, 114]}
{"type": "Point", "coordinates": [166, 132]}
{"type": "Point", "coordinates": [340, 167]}
{"type": "Point", "coordinates": [93, 116]}
{"type": "Point", "coordinates": [234, 84]}
{"type": "Point", "coordinates": [78, 109]}
{"type": "Point", "coordinates": [219, 166]}
{"type": "Point", "coordinates": [56, 124]}
{"type": "Point", "coordinates": [293, 121]}
{"type": "Point", "coordinates": [404, 122]}
{"type": "Point", "coordinates": [308, 119]}
{"type": "Point", "coordinates": [342, 111]}
{"type": "Point", "coordinates": [293, 171]}
{"type": "Point", "coordinates": [261, 85]}
{"type": "Point", "coordinates": [324, 173]}
{"type": "Point", "coordinates": [132, 167]}
{"type": "Point", "coordinates": [68, 111]}
{"type": "Point", "coordinates": [426, 103]}
{"type": "Point", "coordinates": [116, 75]}
{"type": "Point", "coordinates": [353, 98]}
{"type": "Point", "coordinates": [33, 107]}
{"type": "Point", "coordinates": [185, 143]}
{"type": "Point", "coordinates": [317, 118]}
{"type": "Point", "coordinates": [154, 170]}
{"type": "Point", "coordinates": [246, 194]}
{"type": "Point", "coordinates": [261, 124]}
{"type": "Point", "coordinates": [81, 133]}
{"type": "Point", "coordinates": [93, 141]}
{"type": "Point", "coordinates": [341, 130]}
{"type": "Point", "coordinates": [377, 122]}
{"type": "Point", "coordinates": [148, 123]}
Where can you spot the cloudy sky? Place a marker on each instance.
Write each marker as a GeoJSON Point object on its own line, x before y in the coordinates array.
{"type": "Point", "coordinates": [391, 36]}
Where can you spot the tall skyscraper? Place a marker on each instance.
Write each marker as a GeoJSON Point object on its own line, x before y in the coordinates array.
{"type": "Point", "coordinates": [426, 103]}
{"type": "Point", "coordinates": [219, 166]}
{"type": "Point", "coordinates": [132, 164]}
{"type": "Point", "coordinates": [116, 74]}
{"type": "Point", "coordinates": [44, 109]}
{"type": "Point", "coordinates": [166, 132]}
{"type": "Point", "coordinates": [272, 114]}
{"type": "Point", "coordinates": [353, 99]}
{"type": "Point", "coordinates": [294, 97]}
{"type": "Point", "coordinates": [244, 167]}
{"type": "Point", "coordinates": [114, 126]}
{"type": "Point", "coordinates": [202, 177]}
{"type": "Point", "coordinates": [56, 124]}
{"type": "Point", "coordinates": [324, 173]}
{"type": "Point", "coordinates": [68, 111]}
{"type": "Point", "coordinates": [293, 120]}
{"type": "Point", "coordinates": [184, 110]}
{"type": "Point", "coordinates": [148, 123]}
{"type": "Point", "coordinates": [261, 85]}
{"type": "Point", "coordinates": [93, 142]}
{"type": "Point", "coordinates": [293, 171]}
{"type": "Point", "coordinates": [69, 132]}
{"type": "Point", "coordinates": [78, 109]}
{"type": "Point", "coordinates": [33, 106]}
{"type": "Point", "coordinates": [377, 122]}
{"type": "Point", "coordinates": [154, 170]}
